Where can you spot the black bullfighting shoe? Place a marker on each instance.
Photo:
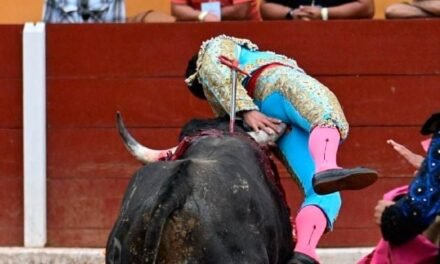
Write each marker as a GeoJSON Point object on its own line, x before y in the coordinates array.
{"type": "Point", "coordinates": [300, 258]}
{"type": "Point", "coordinates": [335, 180]}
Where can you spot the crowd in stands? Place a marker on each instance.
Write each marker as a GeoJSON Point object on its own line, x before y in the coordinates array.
{"type": "Point", "coordinates": [91, 11]}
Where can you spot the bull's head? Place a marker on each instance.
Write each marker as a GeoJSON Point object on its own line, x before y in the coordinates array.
{"type": "Point", "coordinates": [147, 155]}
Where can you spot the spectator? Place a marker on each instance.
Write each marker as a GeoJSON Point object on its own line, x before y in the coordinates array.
{"type": "Point", "coordinates": [316, 9]}
{"type": "Point", "coordinates": [83, 11]}
{"type": "Point", "coordinates": [423, 248]}
{"type": "Point", "coordinates": [415, 9]}
{"type": "Point", "coordinates": [191, 10]}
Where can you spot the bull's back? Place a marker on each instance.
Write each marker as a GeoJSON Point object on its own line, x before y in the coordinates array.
{"type": "Point", "coordinates": [212, 206]}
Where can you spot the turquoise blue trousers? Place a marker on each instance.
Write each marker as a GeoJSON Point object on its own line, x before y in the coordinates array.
{"type": "Point", "coordinates": [294, 147]}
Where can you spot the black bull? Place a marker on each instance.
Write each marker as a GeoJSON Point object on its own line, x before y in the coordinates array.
{"type": "Point", "coordinates": [219, 202]}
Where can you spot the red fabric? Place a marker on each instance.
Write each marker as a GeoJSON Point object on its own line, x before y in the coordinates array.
{"type": "Point", "coordinates": [416, 251]}
{"type": "Point", "coordinates": [250, 87]}
{"type": "Point", "coordinates": [186, 142]}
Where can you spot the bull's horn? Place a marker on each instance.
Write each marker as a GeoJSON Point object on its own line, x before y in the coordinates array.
{"type": "Point", "coordinates": [264, 138]}
{"type": "Point", "coordinates": [140, 152]}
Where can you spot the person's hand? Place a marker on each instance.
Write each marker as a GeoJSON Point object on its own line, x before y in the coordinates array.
{"type": "Point", "coordinates": [380, 207]}
{"type": "Point", "coordinates": [310, 12]}
{"type": "Point", "coordinates": [413, 159]}
{"type": "Point", "coordinates": [211, 18]}
{"type": "Point", "coordinates": [298, 14]}
{"type": "Point", "coordinates": [257, 120]}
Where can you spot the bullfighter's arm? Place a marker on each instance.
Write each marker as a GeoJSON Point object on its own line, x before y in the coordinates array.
{"type": "Point", "coordinates": [217, 80]}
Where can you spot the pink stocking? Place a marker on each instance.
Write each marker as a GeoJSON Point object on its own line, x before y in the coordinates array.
{"type": "Point", "coordinates": [323, 145]}
{"type": "Point", "coordinates": [310, 225]}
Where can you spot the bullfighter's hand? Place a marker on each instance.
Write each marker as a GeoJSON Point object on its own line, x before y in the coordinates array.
{"type": "Point", "coordinates": [413, 159]}
{"type": "Point", "coordinates": [380, 207]}
{"type": "Point", "coordinates": [257, 120]}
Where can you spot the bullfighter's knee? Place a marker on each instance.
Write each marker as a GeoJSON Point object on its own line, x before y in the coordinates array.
{"type": "Point", "coordinates": [330, 204]}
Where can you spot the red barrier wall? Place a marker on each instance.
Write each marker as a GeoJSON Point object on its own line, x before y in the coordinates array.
{"type": "Point", "coordinates": [385, 81]}
{"type": "Point", "coordinates": [11, 142]}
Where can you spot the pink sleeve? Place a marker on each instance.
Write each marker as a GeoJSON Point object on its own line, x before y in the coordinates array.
{"type": "Point", "coordinates": [389, 196]}
{"type": "Point", "coordinates": [425, 144]}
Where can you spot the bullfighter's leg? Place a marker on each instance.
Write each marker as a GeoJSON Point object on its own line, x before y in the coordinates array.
{"type": "Point", "coordinates": [310, 224]}
{"type": "Point", "coordinates": [323, 145]}
{"type": "Point", "coordinates": [299, 99]}
{"type": "Point", "coordinates": [318, 212]}
{"type": "Point", "coordinates": [329, 177]}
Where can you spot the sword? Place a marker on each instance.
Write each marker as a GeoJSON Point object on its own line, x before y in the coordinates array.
{"type": "Point", "coordinates": [233, 65]}
{"type": "Point", "coordinates": [234, 96]}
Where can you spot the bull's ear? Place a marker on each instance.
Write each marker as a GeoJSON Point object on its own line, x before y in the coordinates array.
{"type": "Point", "coordinates": [431, 125]}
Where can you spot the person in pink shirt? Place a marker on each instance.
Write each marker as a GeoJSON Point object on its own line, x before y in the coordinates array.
{"type": "Point", "coordinates": [191, 10]}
